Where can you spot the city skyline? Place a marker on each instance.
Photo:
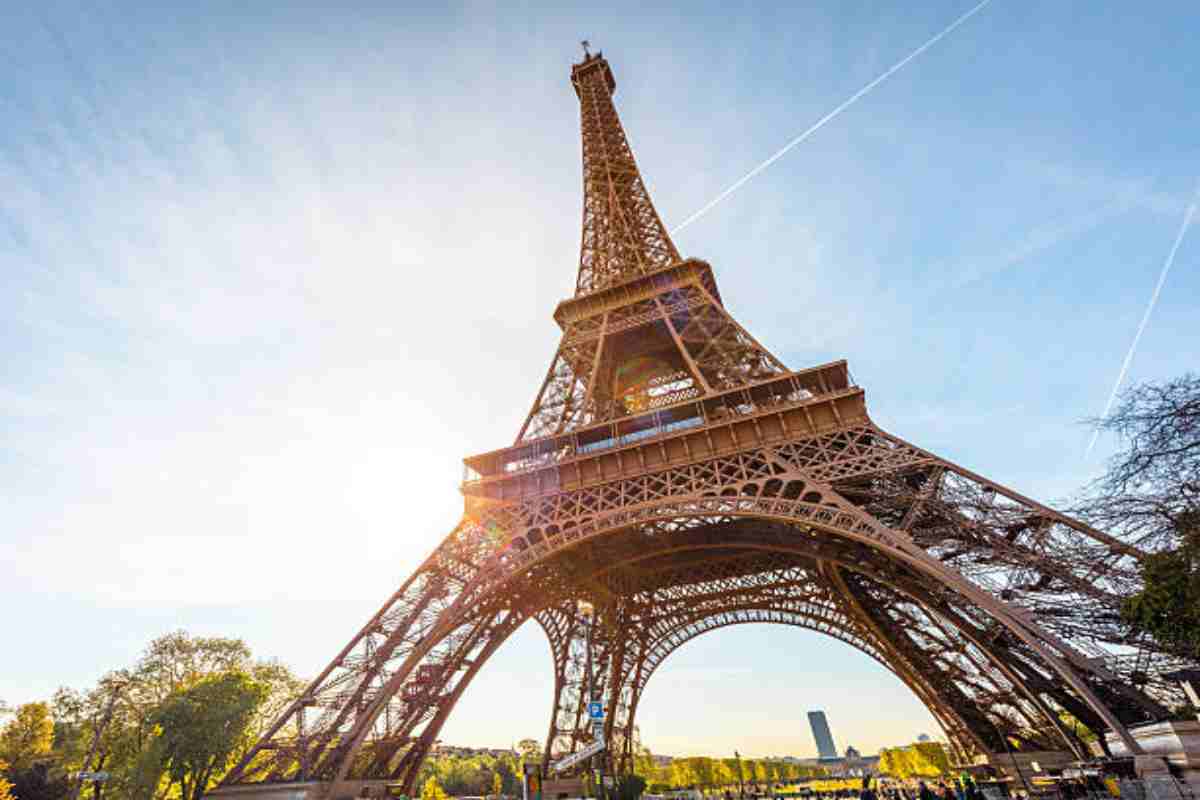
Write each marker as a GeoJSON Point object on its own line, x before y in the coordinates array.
{"type": "Point", "coordinates": [209, 296]}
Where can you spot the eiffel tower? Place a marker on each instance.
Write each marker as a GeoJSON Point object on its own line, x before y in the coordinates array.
{"type": "Point", "coordinates": [674, 474]}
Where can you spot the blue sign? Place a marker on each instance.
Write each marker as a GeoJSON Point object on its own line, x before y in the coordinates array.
{"type": "Point", "coordinates": [596, 710]}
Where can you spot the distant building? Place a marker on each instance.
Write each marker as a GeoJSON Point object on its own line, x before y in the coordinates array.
{"type": "Point", "coordinates": [826, 750]}
{"type": "Point", "coordinates": [662, 761]}
{"type": "Point", "coordinates": [924, 737]}
{"type": "Point", "coordinates": [852, 753]}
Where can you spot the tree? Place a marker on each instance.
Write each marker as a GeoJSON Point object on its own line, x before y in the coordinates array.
{"type": "Point", "coordinates": [28, 737]}
{"type": "Point", "coordinates": [530, 750]}
{"type": "Point", "coordinates": [42, 781]}
{"type": "Point", "coordinates": [432, 791]}
{"type": "Point", "coordinates": [129, 746]}
{"type": "Point", "coordinates": [1150, 495]}
{"type": "Point", "coordinates": [897, 762]}
{"type": "Point", "coordinates": [723, 774]}
{"type": "Point", "coordinates": [179, 659]}
{"type": "Point", "coordinates": [1168, 605]}
{"type": "Point", "coordinates": [702, 770]}
{"type": "Point", "coordinates": [643, 762]}
{"type": "Point", "coordinates": [5, 786]}
{"type": "Point", "coordinates": [1154, 481]}
{"type": "Point", "coordinates": [732, 770]}
{"type": "Point", "coordinates": [930, 759]}
{"type": "Point", "coordinates": [200, 727]}
{"type": "Point", "coordinates": [682, 774]}
{"type": "Point", "coordinates": [630, 787]}
{"type": "Point", "coordinates": [919, 760]}
{"type": "Point", "coordinates": [283, 687]}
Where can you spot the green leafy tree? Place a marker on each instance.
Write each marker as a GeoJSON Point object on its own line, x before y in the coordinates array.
{"type": "Point", "coordinates": [28, 737]}
{"type": "Point", "coordinates": [530, 750]}
{"type": "Point", "coordinates": [723, 774]}
{"type": "Point", "coordinates": [930, 759]}
{"type": "Point", "coordinates": [130, 746]}
{"type": "Point", "coordinates": [919, 760]}
{"type": "Point", "coordinates": [5, 785]}
{"type": "Point", "coordinates": [643, 763]}
{"type": "Point", "coordinates": [1168, 605]}
{"type": "Point", "coordinates": [178, 660]}
{"type": "Point", "coordinates": [509, 768]}
{"type": "Point", "coordinates": [456, 775]}
{"type": "Point", "coordinates": [201, 726]}
{"type": "Point", "coordinates": [682, 774]}
{"type": "Point", "coordinates": [26, 744]}
{"type": "Point", "coordinates": [433, 791]}
{"type": "Point", "coordinates": [630, 787]}
{"type": "Point", "coordinates": [892, 762]}
{"type": "Point", "coordinates": [733, 770]}
{"type": "Point", "coordinates": [42, 781]}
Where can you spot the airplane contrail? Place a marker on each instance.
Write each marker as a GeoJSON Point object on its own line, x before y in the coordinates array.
{"type": "Point", "coordinates": [823, 120]}
{"type": "Point", "coordinates": [1162, 278]}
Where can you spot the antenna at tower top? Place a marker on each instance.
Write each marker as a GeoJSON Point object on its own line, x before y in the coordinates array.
{"type": "Point", "coordinates": [586, 52]}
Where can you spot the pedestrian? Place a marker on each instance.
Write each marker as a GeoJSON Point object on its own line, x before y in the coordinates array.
{"type": "Point", "coordinates": [924, 792]}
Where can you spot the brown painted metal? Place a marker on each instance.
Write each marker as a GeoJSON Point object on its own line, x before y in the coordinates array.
{"type": "Point", "coordinates": [677, 475]}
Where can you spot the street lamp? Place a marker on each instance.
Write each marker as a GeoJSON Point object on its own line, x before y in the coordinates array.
{"type": "Point", "coordinates": [587, 612]}
{"type": "Point", "coordinates": [116, 683]}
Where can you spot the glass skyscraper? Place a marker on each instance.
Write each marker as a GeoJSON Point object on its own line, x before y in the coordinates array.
{"type": "Point", "coordinates": [820, 730]}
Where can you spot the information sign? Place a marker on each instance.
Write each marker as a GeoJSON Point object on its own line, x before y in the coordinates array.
{"type": "Point", "coordinates": [92, 776]}
{"type": "Point", "coordinates": [575, 758]}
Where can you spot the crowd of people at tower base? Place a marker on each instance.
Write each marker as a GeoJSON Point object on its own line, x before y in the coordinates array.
{"type": "Point", "coordinates": [944, 788]}
{"type": "Point", "coordinates": [963, 788]}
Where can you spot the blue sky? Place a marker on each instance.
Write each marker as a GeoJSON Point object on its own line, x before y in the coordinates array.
{"type": "Point", "coordinates": [269, 271]}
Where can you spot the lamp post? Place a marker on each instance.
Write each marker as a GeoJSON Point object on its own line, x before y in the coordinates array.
{"type": "Point", "coordinates": [587, 612]}
{"type": "Point", "coordinates": [116, 686]}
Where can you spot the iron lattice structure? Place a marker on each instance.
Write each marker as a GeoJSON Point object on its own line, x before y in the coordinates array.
{"type": "Point", "coordinates": [677, 475]}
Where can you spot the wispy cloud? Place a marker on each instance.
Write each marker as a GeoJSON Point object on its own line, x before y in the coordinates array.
{"type": "Point", "coordinates": [823, 121]}
{"type": "Point", "coordinates": [1137, 336]}
{"type": "Point", "coordinates": [1096, 201]}
{"type": "Point", "coordinates": [243, 347]}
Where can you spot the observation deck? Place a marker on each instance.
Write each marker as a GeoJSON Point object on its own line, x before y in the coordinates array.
{"type": "Point", "coordinates": [784, 407]}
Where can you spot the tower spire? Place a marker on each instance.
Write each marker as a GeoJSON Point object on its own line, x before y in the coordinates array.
{"type": "Point", "coordinates": [623, 236]}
